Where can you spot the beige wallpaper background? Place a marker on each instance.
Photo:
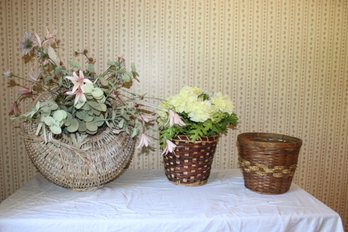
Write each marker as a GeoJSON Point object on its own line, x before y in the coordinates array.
{"type": "Point", "coordinates": [284, 64]}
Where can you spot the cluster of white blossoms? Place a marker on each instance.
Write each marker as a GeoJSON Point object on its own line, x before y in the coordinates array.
{"type": "Point", "coordinates": [191, 100]}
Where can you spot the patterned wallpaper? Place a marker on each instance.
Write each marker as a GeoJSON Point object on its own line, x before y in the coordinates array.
{"type": "Point", "coordinates": [284, 63]}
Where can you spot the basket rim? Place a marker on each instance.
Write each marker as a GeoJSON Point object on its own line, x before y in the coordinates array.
{"type": "Point", "coordinates": [185, 138]}
{"type": "Point", "coordinates": [267, 138]}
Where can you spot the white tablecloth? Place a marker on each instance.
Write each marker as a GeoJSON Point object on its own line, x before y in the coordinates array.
{"type": "Point", "coordinates": [144, 200]}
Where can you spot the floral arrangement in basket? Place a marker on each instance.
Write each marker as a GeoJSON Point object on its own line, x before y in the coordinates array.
{"type": "Point", "coordinates": [81, 102]}
{"type": "Point", "coordinates": [196, 114]}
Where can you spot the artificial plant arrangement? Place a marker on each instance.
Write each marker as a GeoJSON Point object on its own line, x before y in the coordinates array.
{"type": "Point", "coordinates": [79, 101]}
{"type": "Point", "coordinates": [80, 132]}
{"type": "Point", "coordinates": [195, 114]}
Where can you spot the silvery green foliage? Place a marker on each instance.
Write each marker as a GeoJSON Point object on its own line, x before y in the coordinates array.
{"type": "Point", "coordinates": [77, 99]}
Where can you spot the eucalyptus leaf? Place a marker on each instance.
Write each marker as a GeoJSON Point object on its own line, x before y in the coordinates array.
{"type": "Point", "coordinates": [79, 104]}
{"type": "Point", "coordinates": [74, 125]}
{"type": "Point", "coordinates": [74, 64]}
{"type": "Point", "coordinates": [97, 93]}
{"type": "Point", "coordinates": [126, 77]}
{"type": "Point", "coordinates": [99, 120]}
{"type": "Point", "coordinates": [88, 88]}
{"type": "Point", "coordinates": [86, 107]}
{"type": "Point", "coordinates": [55, 129]}
{"type": "Point", "coordinates": [83, 115]}
{"type": "Point", "coordinates": [82, 126]}
{"type": "Point", "coordinates": [91, 126]}
{"type": "Point", "coordinates": [97, 106]}
{"type": "Point", "coordinates": [59, 115]}
{"type": "Point", "coordinates": [49, 121]}
{"type": "Point", "coordinates": [134, 132]}
{"type": "Point", "coordinates": [121, 123]}
{"type": "Point", "coordinates": [90, 68]}
{"type": "Point", "coordinates": [111, 63]}
{"type": "Point", "coordinates": [103, 81]}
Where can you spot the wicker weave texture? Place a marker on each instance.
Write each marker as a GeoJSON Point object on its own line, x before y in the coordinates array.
{"type": "Point", "coordinates": [268, 161]}
{"type": "Point", "coordinates": [105, 157]}
{"type": "Point", "coordinates": [191, 162]}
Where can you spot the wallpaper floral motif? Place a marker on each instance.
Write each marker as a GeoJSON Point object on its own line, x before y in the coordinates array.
{"type": "Point", "coordinates": [283, 63]}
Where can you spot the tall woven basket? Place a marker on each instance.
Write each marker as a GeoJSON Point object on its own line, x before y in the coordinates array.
{"type": "Point", "coordinates": [268, 161]}
{"type": "Point", "coordinates": [101, 159]}
{"type": "Point", "coordinates": [191, 162]}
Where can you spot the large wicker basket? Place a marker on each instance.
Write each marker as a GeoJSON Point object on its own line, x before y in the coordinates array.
{"type": "Point", "coordinates": [191, 162]}
{"type": "Point", "coordinates": [100, 160]}
{"type": "Point", "coordinates": [268, 161]}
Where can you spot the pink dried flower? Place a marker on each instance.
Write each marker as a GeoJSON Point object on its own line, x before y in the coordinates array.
{"type": "Point", "coordinates": [77, 80]}
{"type": "Point", "coordinates": [51, 37]}
{"type": "Point", "coordinates": [174, 119]}
{"type": "Point", "coordinates": [169, 148]}
{"type": "Point", "coordinates": [34, 75]}
{"type": "Point", "coordinates": [24, 91]}
{"type": "Point", "coordinates": [144, 141]}
{"type": "Point", "coordinates": [144, 118]}
{"type": "Point", "coordinates": [14, 109]}
{"type": "Point", "coordinates": [79, 96]}
{"type": "Point", "coordinates": [28, 42]}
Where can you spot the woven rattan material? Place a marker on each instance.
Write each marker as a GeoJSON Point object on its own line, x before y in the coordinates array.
{"type": "Point", "coordinates": [268, 161]}
{"type": "Point", "coordinates": [191, 162]}
{"type": "Point", "coordinates": [262, 170]}
{"type": "Point", "coordinates": [61, 162]}
{"type": "Point", "coordinates": [101, 159]}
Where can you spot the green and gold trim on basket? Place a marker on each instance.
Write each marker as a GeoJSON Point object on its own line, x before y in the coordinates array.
{"type": "Point", "coordinates": [263, 170]}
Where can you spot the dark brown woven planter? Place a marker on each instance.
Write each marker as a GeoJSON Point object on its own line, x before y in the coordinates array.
{"type": "Point", "coordinates": [191, 162]}
{"type": "Point", "coordinates": [268, 161]}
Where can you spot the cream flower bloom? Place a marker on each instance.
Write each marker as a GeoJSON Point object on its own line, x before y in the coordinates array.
{"type": "Point", "coordinates": [221, 102]}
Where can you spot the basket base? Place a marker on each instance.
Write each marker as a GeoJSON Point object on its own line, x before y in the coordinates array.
{"type": "Point", "coordinates": [195, 184]}
{"type": "Point", "coordinates": [266, 184]}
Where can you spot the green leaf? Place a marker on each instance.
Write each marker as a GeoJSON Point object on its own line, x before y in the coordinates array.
{"type": "Point", "coordinates": [133, 67]}
{"type": "Point", "coordinates": [58, 70]}
{"type": "Point", "coordinates": [88, 87]}
{"type": "Point", "coordinates": [121, 123]}
{"type": "Point", "coordinates": [97, 93]}
{"type": "Point", "coordinates": [90, 68]}
{"type": "Point", "coordinates": [83, 115]}
{"type": "Point", "coordinates": [37, 106]}
{"type": "Point", "coordinates": [49, 121]}
{"type": "Point", "coordinates": [74, 125]}
{"type": "Point", "coordinates": [103, 81]}
{"type": "Point", "coordinates": [59, 115]}
{"type": "Point", "coordinates": [82, 126]}
{"type": "Point", "coordinates": [50, 104]}
{"type": "Point", "coordinates": [134, 132]}
{"type": "Point", "coordinates": [126, 77]}
{"type": "Point", "coordinates": [74, 64]}
{"type": "Point", "coordinates": [97, 106]}
{"type": "Point", "coordinates": [91, 126]}
{"type": "Point", "coordinates": [55, 129]}
{"type": "Point", "coordinates": [79, 104]}
{"type": "Point", "coordinates": [111, 63]}
{"type": "Point", "coordinates": [99, 120]}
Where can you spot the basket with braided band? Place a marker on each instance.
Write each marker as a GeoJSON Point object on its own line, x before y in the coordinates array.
{"type": "Point", "coordinates": [268, 161]}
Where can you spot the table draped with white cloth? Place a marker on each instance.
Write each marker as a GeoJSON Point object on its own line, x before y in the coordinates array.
{"type": "Point", "coordinates": [144, 200]}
